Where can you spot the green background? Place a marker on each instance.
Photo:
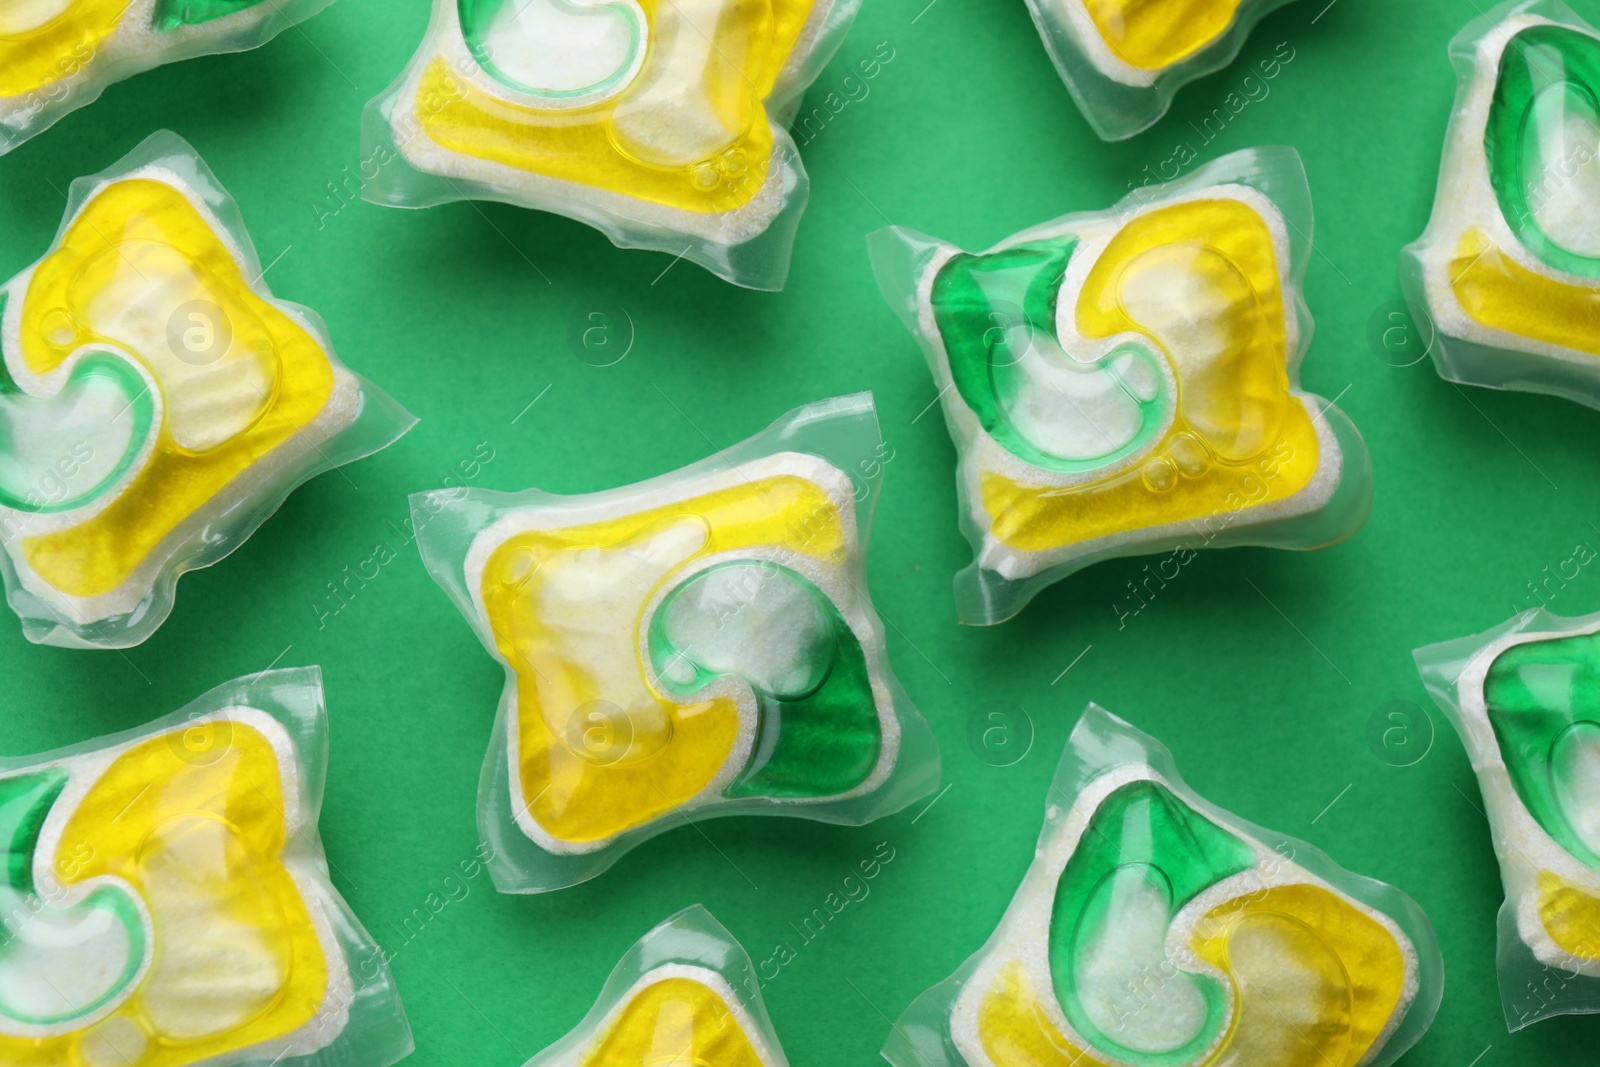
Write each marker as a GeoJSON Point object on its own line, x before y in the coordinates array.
{"type": "Point", "coordinates": [1261, 670]}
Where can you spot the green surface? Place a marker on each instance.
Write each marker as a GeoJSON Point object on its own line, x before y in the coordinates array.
{"type": "Point", "coordinates": [1263, 671]}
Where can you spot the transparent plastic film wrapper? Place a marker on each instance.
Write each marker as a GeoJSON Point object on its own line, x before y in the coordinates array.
{"type": "Point", "coordinates": [1126, 382]}
{"type": "Point", "coordinates": [686, 993]}
{"type": "Point", "coordinates": [1124, 60]}
{"type": "Point", "coordinates": [59, 55]}
{"type": "Point", "coordinates": [167, 900]}
{"type": "Point", "coordinates": [697, 645]}
{"type": "Point", "coordinates": [1506, 277]}
{"type": "Point", "coordinates": [662, 123]}
{"type": "Point", "coordinates": [1525, 699]}
{"type": "Point", "coordinates": [157, 403]}
{"type": "Point", "coordinates": [1156, 930]}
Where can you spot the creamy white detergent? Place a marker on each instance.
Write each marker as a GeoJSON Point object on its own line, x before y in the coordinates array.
{"type": "Point", "coordinates": [671, 117]}
{"type": "Point", "coordinates": [566, 46]}
{"type": "Point", "coordinates": [1125, 982]}
{"type": "Point", "coordinates": [1070, 409]}
{"type": "Point", "coordinates": [1564, 189]}
{"type": "Point", "coordinates": [60, 448]}
{"type": "Point", "coordinates": [60, 963]}
{"type": "Point", "coordinates": [754, 621]}
{"type": "Point", "coordinates": [1575, 774]}
{"type": "Point", "coordinates": [20, 16]}
{"type": "Point", "coordinates": [158, 304]}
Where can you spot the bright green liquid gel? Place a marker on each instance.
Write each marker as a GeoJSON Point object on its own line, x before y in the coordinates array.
{"type": "Point", "coordinates": [1144, 856]}
{"type": "Point", "coordinates": [819, 733]}
{"type": "Point", "coordinates": [1543, 700]}
{"type": "Point", "coordinates": [1543, 145]}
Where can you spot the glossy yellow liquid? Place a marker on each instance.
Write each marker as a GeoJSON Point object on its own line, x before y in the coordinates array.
{"type": "Point", "coordinates": [641, 142]}
{"type": "Point", "coordinates": [1315, 982]}
{"type": "Point", "coordinates": [1502, 294]}
{"type": "Point", "coordinates": [137, 256]}
{"type": "Point", "coordinates": [1200, 280]}
{"type": "Point", "coordinates": [193, 823]}
{"type": "Point", "coordinates": [600, 750]}
{"type": "Point", "coordinates": [1155, 34]}
{"type": "Point", "coordinates": [43, 42]}
{"type": "Point", "coordinates": [676, 1021]}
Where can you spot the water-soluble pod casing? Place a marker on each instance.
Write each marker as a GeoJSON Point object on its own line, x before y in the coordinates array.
{"type": "Point", "coordinates": [1525, 699]}
{"type": "Point", "coordinates": [685, 993]}
{"type": "Point", "coordinates": [1505, 280]}
{"type": "Point", "coordinates": [59, 55]}
{"type": "Point", "coordinates": [1154, 929]}
{"type": "Point", "coordinates": [697, 645]}
{"type": "Point", "coordinates": [157, 402]}
{"type": "Point", "coordinates": [166, 897]}
{"type": "Point", "coordinates": [1124, 60]}
{"type": "Point", "coordinates": [1126, 382]}
{"type": "Point", "coordinates": [662, 124]}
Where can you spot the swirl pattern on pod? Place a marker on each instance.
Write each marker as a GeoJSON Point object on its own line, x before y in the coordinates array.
{"type": "Point", "coordinates": [1154, 930]}
{"type": "Point", "coordinates": [1542, 698]}
{"type": "Point", "coordinates": [663, 123]}
{"type": "Point", "coordinates": [753, 682]}
{"type": "Point", "coordinates": [1507, 273]}
{"type": "Point", "coordinates": [1126, 381]}
{"type": "Point", "coordinates": [155, 399]}
{"type": "Point", "coordinates": [165, 903]}
{"type": "Point", "coordinates": [662, 102]}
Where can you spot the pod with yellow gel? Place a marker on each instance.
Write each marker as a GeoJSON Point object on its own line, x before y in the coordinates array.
{"type": "Point", "coordinates": [1155, 930]}
{"type": "Point", "coordinates": [685, 993]}
{"type": "Point", "coordinates": [697, 645]}
{"type": "Point", "coordinates": [1124, 60]}
{"type": "Point", "coordinates": [59, 55]}
{"type": "Point", "coordinates": [662, 123]}
{"type": "Point", "coordinates": [157, 403]}
{"type": "Point", "coordinates": [1126, 383]}
{"type": "Point", "coordinates": [167, 903]}
{"type": "Point", "coordinates": [1504, 284]}
{"type": "Point", "coordinates": [1525, 699]}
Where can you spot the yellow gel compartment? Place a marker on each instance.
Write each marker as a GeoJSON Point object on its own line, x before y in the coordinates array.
{"type": "Point", "coordinates": [751, 42]}
{"type": "Point", "coordinates": [1502, 294]}
{"type": "Point", "coordinates": [1200, 279]}
{"type": "Point", "coordinates": [574, 645]}
{"type": "Point", "coordinates": [193, 823]}
{"type": "Point", "coordinates": [1571, 915]}
{"type": "Point", "coordinates": [1348, 977]}
{"type": "Point", "coordinates": [43, 42]}
{"type": "Point", "coordinates": [1155, 34]}
{"type": "Point", "coordinates": [674, 1021]}
{"type": "Point", "coordinates": [128, 265]}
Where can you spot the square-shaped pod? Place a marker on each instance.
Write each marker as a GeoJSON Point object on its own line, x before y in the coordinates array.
{"type": "Point", "coordinates": [697, 645]}
{"type": "Point", "coordinates": [1506, 277]}
{"type": "Point", "coordinates": [1156, 928]}
{"type": "Point", "coordinates": [1525, 699]}
{"type": "Point", "coordinates": [661, 123]}
{"type": "Point", "coordinates": [168, 900]}
{"type": "Point", "coordinates": [157, 402]}
{"type": "Point", "coordinates": [1126, 382]}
